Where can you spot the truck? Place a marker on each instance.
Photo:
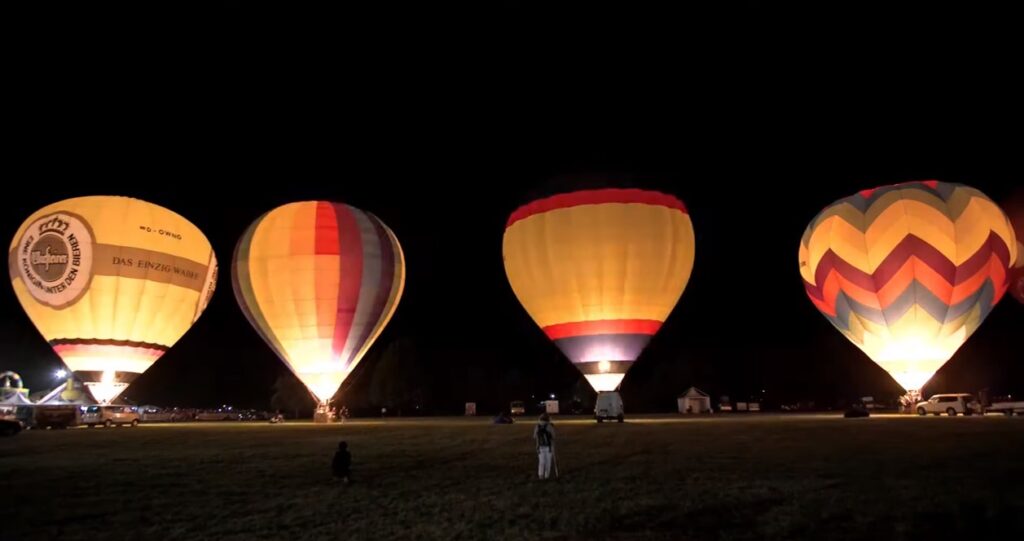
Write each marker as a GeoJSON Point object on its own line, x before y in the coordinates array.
{"type": "Point", "coordinates": [608, 407]}
{"type": "Point", "coordinates": [950, 404]}
{"type": "Point", "coordinates": [1006, 406]}
{"type": "Point", "coordinates": [57, 416]}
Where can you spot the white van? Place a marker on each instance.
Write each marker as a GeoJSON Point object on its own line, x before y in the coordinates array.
{"type": "Point", "coordinates": [110, 415]}
{"type": "Point", "coordinates": [608, 406]}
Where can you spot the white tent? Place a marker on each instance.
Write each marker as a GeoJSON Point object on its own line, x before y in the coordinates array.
{"type": "Point", "coordinates": [13, 396]}
{"type": "Point", "coordinates": [15, 399]}
{"type": "Point", "coordinates": [694, 400]}
{"type": "Point", "coordinates": [13, 403]}
{"type": "Point", "coordinates": [61, 395]}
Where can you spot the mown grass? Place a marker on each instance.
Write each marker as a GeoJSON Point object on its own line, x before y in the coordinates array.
{"type": "Point", "coordinates": [735, 478]}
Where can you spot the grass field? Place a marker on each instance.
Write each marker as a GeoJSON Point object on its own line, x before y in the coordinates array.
{"type": "Point", "coordinates": [767, 477]}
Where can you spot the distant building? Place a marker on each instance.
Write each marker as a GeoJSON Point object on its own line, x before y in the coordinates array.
{"type": "Point", "coordinates": [694, 400]}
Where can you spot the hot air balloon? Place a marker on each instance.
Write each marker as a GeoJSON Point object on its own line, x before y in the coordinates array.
{"type": "Point", "coordinates": [318, 281]}
{"type": "Point", "coordinates": [111, 283]}
{"type": "Point", "coordinates": [599, 271]}
{"type": "Point", "coordinates": [908, 272]}
{"type": "Point", "coordinates": [1015, 209]}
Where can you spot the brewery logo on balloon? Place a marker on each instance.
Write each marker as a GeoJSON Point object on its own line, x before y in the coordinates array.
{"type": "Point", "coordinates": [108, 298]}
{"type": "Point", "coordinates": [54, 258]}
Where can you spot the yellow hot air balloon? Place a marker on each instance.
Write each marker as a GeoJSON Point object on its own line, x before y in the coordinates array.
{"type": "Point", "coordinates": [599, 271]}
{"type": "Point", "coordinates": [112, 283]}
{"type": "Point", "coordinates": [318, 281]}
{"type": "Point", "coordinates": [908, 272]}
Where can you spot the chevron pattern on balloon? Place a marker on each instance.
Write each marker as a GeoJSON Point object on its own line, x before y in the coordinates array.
{"type": "Point", "coordinates": [908, 272]}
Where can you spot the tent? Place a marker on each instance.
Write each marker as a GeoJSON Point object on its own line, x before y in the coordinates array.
{"type": "Point", "coordinates": [694, 401]}
{"type": "Point", "coordinates": [15, 395]}
{"type": "Point", "coordinates": [63, 395]}
{"type": "Point", "coordinates": [15, 399]}
{"type": "Point", "coordinates": [15, 405]}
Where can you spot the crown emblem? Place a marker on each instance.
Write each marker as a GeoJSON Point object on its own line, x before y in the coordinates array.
{"type": "Point", "coordinates": [54, 225]}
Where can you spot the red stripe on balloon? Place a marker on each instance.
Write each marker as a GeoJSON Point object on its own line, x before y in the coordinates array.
{"type": "Point", "coordinates": [603, 326]}
{"type": "Point", "coordinates": [912, 246]}
{"type": "Point", "coordinates": [595, 197]}
{"type": "Point", "coordinates": [350, 250]}
{"type": "Point", "coordinates": [933, 184]}
{"type": "Point", "coordinates": [326, 234]}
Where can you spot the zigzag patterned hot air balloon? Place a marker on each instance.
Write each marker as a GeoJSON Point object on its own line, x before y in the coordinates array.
{"type": "Point", "coordinates": [318, 281]}
{"type": "Point", "coordinates": [599, 271]}
{"type": "Point", "coordinates": [908, 272]}
{"type": "Point", "coordinates": [111, 283]}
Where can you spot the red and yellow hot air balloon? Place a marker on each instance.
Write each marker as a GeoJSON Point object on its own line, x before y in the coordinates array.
{"type": "Point", "coordinates": [908, 272]}
{"type": "Point", "coordinates": [318, 281]}
{"type": "Point", "coordinates": [599, 271]}
{"type": "Point", "coordinates": [111, 283]}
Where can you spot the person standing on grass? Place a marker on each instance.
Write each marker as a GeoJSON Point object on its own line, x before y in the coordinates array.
{"type": "Point", "coordinates": [544, 436]}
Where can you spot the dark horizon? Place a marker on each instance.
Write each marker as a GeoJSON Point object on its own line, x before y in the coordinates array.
{"type": "Point", "coordinates": [742, 326]}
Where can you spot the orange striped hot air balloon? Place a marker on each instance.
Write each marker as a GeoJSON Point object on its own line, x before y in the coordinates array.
{"type": "Point", "coordinates": [599, 271]}
{"type": "Point", "coordinates": [908, 272]}
{"type": "Point", "coordinates": [318, 281]}
{"type": "Point", "coordinates": [111, 283]}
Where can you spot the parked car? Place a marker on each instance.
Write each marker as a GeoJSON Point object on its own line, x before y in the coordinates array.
{"type": "Point", "coordinates": [9, 427]}
{"type": "Point", "coordinates": [109, 416]}
{"type": "Point", "coordinates": [950, 404]}
{"type": "Point", "coordinates": [155, 415]}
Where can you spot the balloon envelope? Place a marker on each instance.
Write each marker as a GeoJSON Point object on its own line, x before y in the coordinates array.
{"type": "Point", "coordinates": [111, 283]}
{"type": "Point", "coordinates": [318, 281]}
{"type": "Point", "coordinates": [908, 272]}
{"type": "Point", "coordinates": [599, 271]}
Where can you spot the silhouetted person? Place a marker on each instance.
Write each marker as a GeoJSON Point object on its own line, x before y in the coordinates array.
{"type": "Point", "coordinates": [544, 436]}
{"type": "Point", "coordinates": [342, 464]}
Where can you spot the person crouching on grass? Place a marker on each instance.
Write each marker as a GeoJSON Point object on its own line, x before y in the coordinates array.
{"type": "Point", "coordinates": [544, 436]}
{"type": "Point", "coordinates": [342, 463]}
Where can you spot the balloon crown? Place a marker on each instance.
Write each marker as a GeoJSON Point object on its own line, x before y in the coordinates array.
{"type": "Point", "coordinates": [55, 225]}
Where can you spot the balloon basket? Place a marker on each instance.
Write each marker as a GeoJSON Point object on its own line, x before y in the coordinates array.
{"type": "Point", "coordinates": [323, 414]}
{"type": "Point", "coordinates": [908, 402]}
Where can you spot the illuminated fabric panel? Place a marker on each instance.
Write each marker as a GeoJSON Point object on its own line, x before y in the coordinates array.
{"type": "Point", "coordinates": [318, 281]}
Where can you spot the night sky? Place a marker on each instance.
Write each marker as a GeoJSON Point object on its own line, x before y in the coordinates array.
{"type": "Point", "coordinates": [443, 147]}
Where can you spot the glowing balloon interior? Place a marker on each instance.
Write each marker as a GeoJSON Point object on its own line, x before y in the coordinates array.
{"type": "Point", "coordinates": [318, 281]}
{"type": "Point", "coordinates": [111, 283]}
{"type": "Point", "coordinates": [908, 272]}
{"type": "Point", "coordinates": [599, 271]}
